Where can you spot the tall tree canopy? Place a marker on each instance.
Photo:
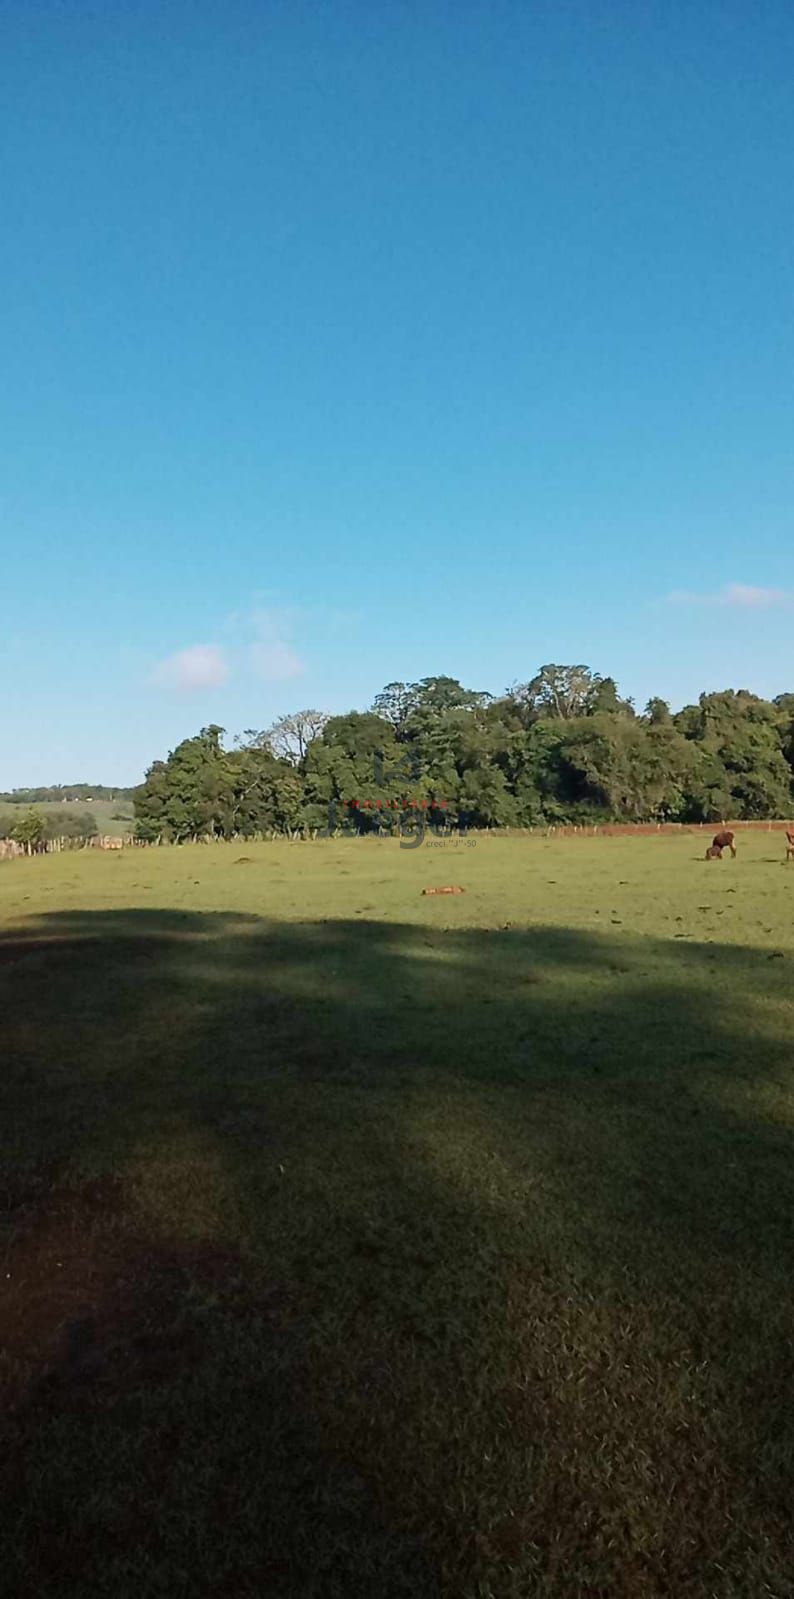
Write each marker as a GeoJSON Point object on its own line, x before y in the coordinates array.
{"type": "Point", "coordinates": [562, 746]}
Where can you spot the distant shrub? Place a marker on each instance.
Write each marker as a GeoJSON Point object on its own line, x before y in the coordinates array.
{"type": "Point", "coordinates": [71, 824]}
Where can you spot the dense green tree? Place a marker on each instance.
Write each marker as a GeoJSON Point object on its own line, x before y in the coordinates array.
{"type": "Point", "coordinates": [626, 770]}
{"type": "Point", "coordinates": [267, 794]}
{"type": "Point", "coordinates": [565, 746]}
{"type": "Point", "coordinates": [203, 790]}
{"type": "Point", "coordinates": [410, 708]}
{"type": "Point", "coordinates": [484, 799]}
{"type": "Point", "coordinates": [658, 713]}
{"type": "Point", "coordinates": [191, 794]}
{"type": "Point", "coordinates": [745, 773]}
{"type": "Point", "coordinates": [441, 694]}
{"type": "Point", "coordinates": [29, 831]}
{"type": "Point", "coordinates": [604, 698]}
{"type": "Point", "coordinates": [784, 705]}
{"type": "Point", "coordinates": [80, 825]}
{"type": "Point", "coordinates": [151, 804]}
{"type": "Point", "coordinates": [565, 692]}
{"type": "Point", "coordinates": [356, 773]}
{"type": "Point", "coordinates": [395, 703]}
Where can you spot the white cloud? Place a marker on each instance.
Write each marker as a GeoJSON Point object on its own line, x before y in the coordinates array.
{"type": "Point", "coordinates": [739, 596]}
{"type": "Point", "coordinates": [271, 655]}
{"type": "Point", "coordinates": [755, 599]}
{"type": "Point", "coordinates": [202, 666]}
{"type": "Point", "coordinates": [275, 662]}
{"type": "Point", "coordinates": [257, 644]}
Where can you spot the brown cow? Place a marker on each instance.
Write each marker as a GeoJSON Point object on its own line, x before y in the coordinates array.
{"type": "Point", "coordinates": [790, 844]}
{"type": "Point", "coordinates": [724, 839]}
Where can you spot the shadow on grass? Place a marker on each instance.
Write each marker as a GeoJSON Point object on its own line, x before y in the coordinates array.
{"type": "Point", "coordinates": [365, 1258]}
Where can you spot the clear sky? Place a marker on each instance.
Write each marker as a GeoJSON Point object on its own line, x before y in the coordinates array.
{"type": "Point", "coordinates": [362, 340]}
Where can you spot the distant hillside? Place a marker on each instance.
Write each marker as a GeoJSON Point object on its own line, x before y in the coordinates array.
{"type": "Point", "coordinates": [115, 817]}
{"type": "Point", "coordinates": [62, 793]}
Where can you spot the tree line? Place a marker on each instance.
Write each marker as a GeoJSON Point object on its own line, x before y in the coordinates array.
{"type": "Point", "coordinates": [33, 829]}
{"type": "Point", "coordinates": [64, 792]}
{"type": "Point", "coordinates": [563, 747]}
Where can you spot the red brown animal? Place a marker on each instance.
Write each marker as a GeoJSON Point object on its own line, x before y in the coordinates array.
{"type": "Point", "coordinates": [790, 844]}
{"type": "Point", "coordinates": [724, 839]}
{"type": "Point", "coordinates": [447, 889]}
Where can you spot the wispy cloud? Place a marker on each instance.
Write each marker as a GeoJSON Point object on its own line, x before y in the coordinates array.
{"type": "Point", "coordinates": [749, 598]}
{"type": "Point", "coordinates": [275, 662]}
{"type": "Point", "coordinates": [257, 644]}
{"type": "Point", "coordinates": [272, 655]}
{"type": "Point", "coordinates": [191, 671]}
{"type": "Point", "coordinates": [737, 596]}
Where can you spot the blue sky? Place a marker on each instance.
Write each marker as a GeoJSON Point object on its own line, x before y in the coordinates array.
{"type": "Point", "coordinates": [345, 342]}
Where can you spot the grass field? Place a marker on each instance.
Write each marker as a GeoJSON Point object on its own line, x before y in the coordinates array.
{"type": "Point", "coordinates": [363, 1244]}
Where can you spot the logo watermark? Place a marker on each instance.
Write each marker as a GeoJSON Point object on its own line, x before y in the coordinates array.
{"type": "Point", "coordinates": [413, 820]}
